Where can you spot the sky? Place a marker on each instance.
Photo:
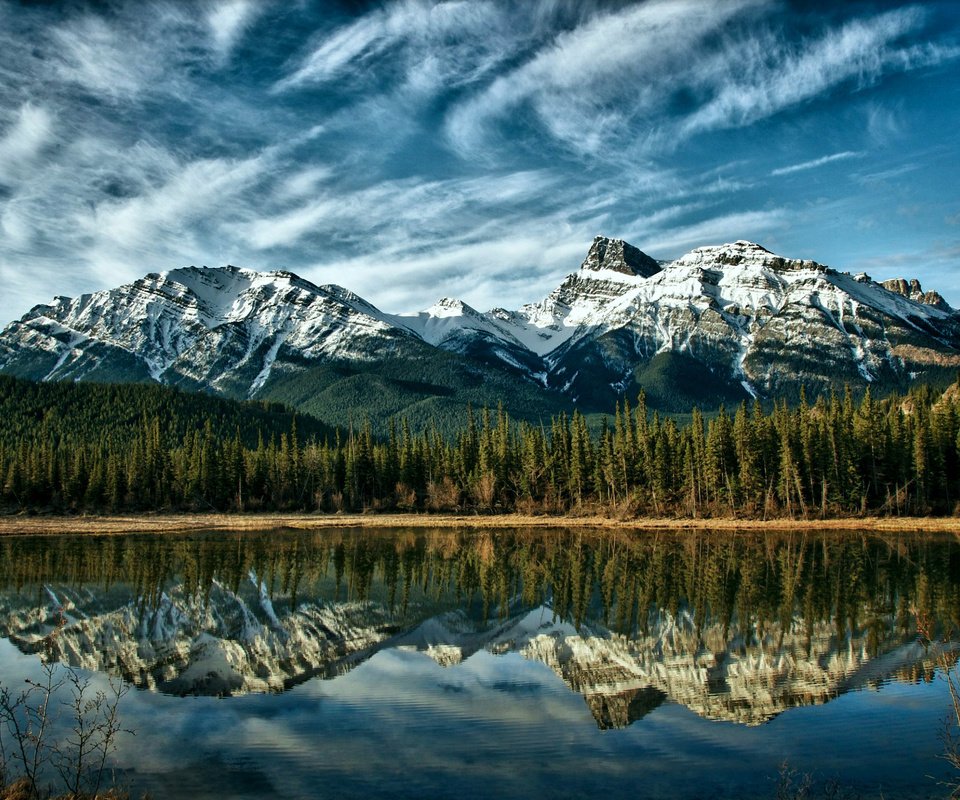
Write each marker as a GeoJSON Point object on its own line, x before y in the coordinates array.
{"type": "Point", "coordinates": [410, 150]}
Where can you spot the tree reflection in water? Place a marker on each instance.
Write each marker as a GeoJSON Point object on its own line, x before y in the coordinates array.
{"type": "Point", "coordinates": [734, 626]}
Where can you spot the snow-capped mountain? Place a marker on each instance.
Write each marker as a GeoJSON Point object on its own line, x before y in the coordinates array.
{"type": "Point", "coordinates": [455, 326]}
{"type": "Point", "coordinates": [224, 329]}
{"type": "Point", "coordinates": [585, 300]}
{"type": "Point", "coordinates": [721, 322]}
{"type": "Point", "coordinates": [733, 313]}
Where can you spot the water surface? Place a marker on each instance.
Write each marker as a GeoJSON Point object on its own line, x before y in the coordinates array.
{"type": "Point", "coordinates": [554, 663]}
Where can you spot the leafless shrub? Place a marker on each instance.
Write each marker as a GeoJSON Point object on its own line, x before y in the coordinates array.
{"type": "Point", "coordinates": [30, 752]}
{"type": "Point", "coordinates": [946, 660]}
{"type": "Point", "coordinates": [484, 490]}
{"type": "Point", "coordinates": [406, 497]}
{"type": "Point", "coordinates": [793, 784]}
{"type": "Point", "coordinates": [443, 495]}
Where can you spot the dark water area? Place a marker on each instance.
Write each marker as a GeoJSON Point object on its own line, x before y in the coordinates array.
{"type": "Point", "coordinates": [553, 663]}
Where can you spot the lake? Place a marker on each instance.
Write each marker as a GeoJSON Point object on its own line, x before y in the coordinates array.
{"type": "Point", "coordinates": [508, 663]}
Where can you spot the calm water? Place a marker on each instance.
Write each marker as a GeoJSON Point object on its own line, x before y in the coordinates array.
{"type": "Point", "coordinates": [510, 664]}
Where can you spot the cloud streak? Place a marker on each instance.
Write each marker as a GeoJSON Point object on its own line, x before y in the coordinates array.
{"type": "Point", "coordinates": [451, 41]}
{"type": "Point", "coordinates": [228, 20]}
{"type": "Point", "coordinates": [607, 84]}
{"type": "Point", "coordinates": [588, 83]}
{"type": "Point", "coordinates": [778, 77]}
{"type": "Point", "coordinates": [814, 163]}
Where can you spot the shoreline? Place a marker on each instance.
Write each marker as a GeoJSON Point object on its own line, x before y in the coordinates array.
{"type": "Point", "coordinates": [23, 525]}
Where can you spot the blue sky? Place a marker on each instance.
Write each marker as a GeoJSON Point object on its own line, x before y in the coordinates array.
{"type": "Point", "coordinates": [471, 148]}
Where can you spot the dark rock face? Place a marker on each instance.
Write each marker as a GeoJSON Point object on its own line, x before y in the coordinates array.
{"type": "Point", "coordinates": [621, 710]}
{"type": "Point", "coordinates": [619, 256]}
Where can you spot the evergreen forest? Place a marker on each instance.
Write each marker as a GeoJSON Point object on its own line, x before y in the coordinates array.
{"type": "Point", "coordinates": [99, 448]}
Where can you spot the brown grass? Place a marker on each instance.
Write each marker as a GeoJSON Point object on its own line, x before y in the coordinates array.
{"type": "Point", "coordinates": [20, 790]}
{"type": "Point", "coordinates": [23, 525]}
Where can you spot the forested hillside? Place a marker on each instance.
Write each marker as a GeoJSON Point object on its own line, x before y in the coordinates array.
{"type": "Point", "coordinates": [67, 414]}
{"type": "Point", "coordinates": [102, 448]}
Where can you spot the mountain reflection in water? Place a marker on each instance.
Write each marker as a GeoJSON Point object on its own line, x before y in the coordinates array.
{"type": "Point", "coordinates": [735, 627]}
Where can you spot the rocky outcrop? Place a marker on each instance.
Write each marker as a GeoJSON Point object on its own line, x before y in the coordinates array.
{"type": "Point", "coordinates": [914, 291]}
{"type": "Point", "coordinates": [619, 256]}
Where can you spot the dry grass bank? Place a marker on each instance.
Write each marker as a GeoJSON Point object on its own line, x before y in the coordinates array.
{"type": "Point", "coordinates": [170, 523]}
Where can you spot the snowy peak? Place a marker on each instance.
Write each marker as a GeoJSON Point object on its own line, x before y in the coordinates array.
{"type": "Point", "coordinates": [453, 325]}
{"type": "Point", "coordinates": [220, 328]}
{"type": "Point", "coordinates": [617, 255]}
{"type": "Point", "coordinates": [450, 307]}
{"type": "Point", "coordinates": [743, 253]}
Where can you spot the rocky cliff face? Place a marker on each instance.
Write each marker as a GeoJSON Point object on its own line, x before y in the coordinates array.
{"type": "Point", "coordinates": [616, 255]}
{"type": "Point", "coordinates": [914, 291]}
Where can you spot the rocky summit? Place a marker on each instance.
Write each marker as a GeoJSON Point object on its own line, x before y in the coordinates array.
{"type": "Point", "coordinates": [720, 324]}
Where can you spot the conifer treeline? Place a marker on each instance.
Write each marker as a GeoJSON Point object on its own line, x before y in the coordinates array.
{"type": "Point", "coordinates": [896, 456]}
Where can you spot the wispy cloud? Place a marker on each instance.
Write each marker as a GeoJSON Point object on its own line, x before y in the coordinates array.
{"type": "Point", "coordinates": [884, 124]}
{"type": "Point", "coordinates": [777, 75]}
{"type": "Point", "coordinates": [228, 20]}
{"type": "Point", "coordinates": [111, 215]}
{"type": "Point", "coordinates": [168, 211]}
{"type": "Point", "coordinates": [151, 48]}
{"type": "Point", "coordinates": [455, 40]}
{"type": "Point", "coordinates": [23, 141]}
{"type": "Point", "coordinates": [592, 83]}
{"type": "Point", "coordinates": [889, 174]}
{"type": "Point", "coordinates": [517, 260]}
{"type": "Point", "coordinates": [614, 81]}
{"type": "Point", "coordinates": [92, 54]}
{"type": "Point", "coordinates": [814, 163]}
{"type": "Point", "coordinates": [751, 225]}
{"type": "Point", "coordinates": [366, 35]}
{"type": "Point", "coordinates": [395, 210]}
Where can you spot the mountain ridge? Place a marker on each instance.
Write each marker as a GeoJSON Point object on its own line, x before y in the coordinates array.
{"type": "Point", "coordinates": [727, 321]}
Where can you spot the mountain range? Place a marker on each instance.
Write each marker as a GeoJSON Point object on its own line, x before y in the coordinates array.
{"type": "Point", "coordinates": [720, 324]}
